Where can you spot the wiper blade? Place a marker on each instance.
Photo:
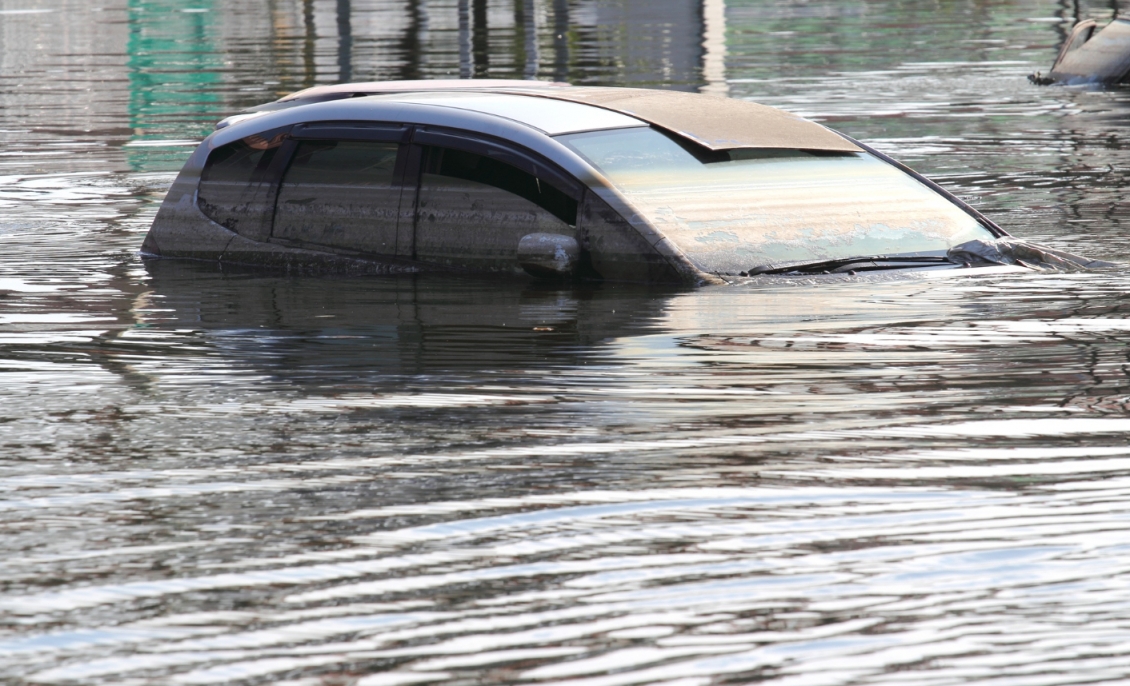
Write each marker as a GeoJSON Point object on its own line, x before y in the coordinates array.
{"type": "Point", "coordinates": [854, 264]}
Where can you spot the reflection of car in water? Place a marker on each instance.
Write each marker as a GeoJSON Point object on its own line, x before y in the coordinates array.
{"type": "Point", "coordinates": [342, 330]}
{"type": "Point", "coordinates": [560, 181]}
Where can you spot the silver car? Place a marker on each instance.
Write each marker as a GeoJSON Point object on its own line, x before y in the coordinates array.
{"type": "Point", "coordinates": [547, 180]}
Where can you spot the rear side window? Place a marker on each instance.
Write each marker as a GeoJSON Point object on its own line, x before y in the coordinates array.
{"type": "Point", "coordinates": [468, 166]}
{"type": "Point", "coordinates": [234, 189]}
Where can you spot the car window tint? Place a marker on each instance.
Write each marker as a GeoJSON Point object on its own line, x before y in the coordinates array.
{"type": "Point", "coordinates": [345, 163]}
{"type": "Point", "coordinates": [234, 191]}
{"type": "Point", "coordinates": [473, 210]}
{"type": "Point", "coordinates": [751, 208]}
{"type": "Point", "coordinates": [341, 194]}
{"type": "Point", "coordinates": [460, 164]}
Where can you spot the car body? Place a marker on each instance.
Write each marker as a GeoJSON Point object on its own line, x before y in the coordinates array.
{"type": "Point", "coordinates": [550, 180]}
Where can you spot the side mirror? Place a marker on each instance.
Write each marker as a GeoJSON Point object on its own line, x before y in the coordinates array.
{"type": "Point", "coordinates": [548, 255]}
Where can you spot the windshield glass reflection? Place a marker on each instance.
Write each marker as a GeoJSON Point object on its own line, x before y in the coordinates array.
{"type": "Point", "coordinates": [756, 207]}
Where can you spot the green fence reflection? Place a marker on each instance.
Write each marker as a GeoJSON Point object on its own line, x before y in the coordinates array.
{"type": "Point", "coordinates": [175, 60]}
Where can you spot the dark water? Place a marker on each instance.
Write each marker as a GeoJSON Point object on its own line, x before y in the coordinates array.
{"type": "Point", "coordinates": [211, 477]}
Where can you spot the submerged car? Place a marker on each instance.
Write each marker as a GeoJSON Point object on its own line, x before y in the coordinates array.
{"type": "Point", "coordinates": [1092, 56]}
{"type": "Point", "coordinates": [555, 181]}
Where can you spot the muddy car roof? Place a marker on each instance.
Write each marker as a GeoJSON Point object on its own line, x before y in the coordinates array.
{"type": "Point", "coordinates": [549, 116]}
{"type": "Point", "coordinates": [712, 122]}
{"type": "Point", "coordinates": [381, 87]}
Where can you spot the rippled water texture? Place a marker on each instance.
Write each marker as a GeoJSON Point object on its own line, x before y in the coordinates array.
{"type": "Point", "coordinates": [239, 478]}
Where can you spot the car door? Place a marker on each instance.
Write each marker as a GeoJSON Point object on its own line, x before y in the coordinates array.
{"type": "Point", "coordinates": [342, 188]}
{"type": "Point", "coordinates": [478, 197]}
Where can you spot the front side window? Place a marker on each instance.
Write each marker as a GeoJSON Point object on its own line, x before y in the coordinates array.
{"type": "Point", "coordinates": [234, 190]}
{"type": "Point", "coordinates": [473, 210]}
{"type": "Point", "coordinates": [749, 208]}
{"type": "Point", "coordinates": [341, 194]}
{"type": "Point", "coordinates": [459, 164]}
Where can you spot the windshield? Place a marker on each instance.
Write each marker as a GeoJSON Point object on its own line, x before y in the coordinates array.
{"type": "Point", "coordinates": [751, 208]}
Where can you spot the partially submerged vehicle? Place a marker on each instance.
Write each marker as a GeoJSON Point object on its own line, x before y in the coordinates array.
{"type": "Point", "coordinates": [554, 181]}
{"type": "Point", "coordinates": [1092, 56]}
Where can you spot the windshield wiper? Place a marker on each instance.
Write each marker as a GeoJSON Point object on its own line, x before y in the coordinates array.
{"type": "Point", "coordinates": [854, 264]}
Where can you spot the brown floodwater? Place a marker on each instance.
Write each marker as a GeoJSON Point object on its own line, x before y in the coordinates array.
{"type": "Point", "coordinates": [240, 477]}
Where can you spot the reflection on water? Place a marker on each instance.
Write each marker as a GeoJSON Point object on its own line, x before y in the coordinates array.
{"type": "Point", "coordinates": [213, 476]}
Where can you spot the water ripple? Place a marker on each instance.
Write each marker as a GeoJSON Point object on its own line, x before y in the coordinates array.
{"type": "Point", "coordinates": [212, 475]}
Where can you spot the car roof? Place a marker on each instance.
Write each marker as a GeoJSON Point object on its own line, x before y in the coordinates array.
{"type": "Point", "coordinates": [709, 121]}
{"type": "Point", "coordinates": [420, 85]}
{"type": "Point", "coordinates": [551, 117]}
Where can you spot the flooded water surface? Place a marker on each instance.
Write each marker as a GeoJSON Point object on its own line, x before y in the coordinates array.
{"type": "Point", "coordinates": [243, 477]}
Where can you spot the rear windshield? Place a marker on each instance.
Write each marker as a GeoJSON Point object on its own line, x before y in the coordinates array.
{"type": "Point", "coordinates": [743, 209]}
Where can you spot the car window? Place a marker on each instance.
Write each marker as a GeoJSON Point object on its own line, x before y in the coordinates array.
{"type": "Point", "coordinates": [234, 190]}
{"type": "Point", "coordinates": [345, 163]}
{"type": "Point", "coordinates": [730, 212]}
{"type": "Point", "coordinates": [341, 194]}
{"type": "Point", "coordinates": [459, 164]}
{"type": "Point", "coordinates": [473, 209]}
